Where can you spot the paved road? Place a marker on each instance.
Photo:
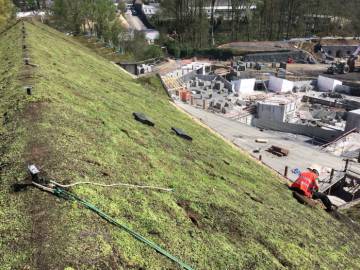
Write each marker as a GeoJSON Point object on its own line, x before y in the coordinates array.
{"type": "Point", "coordinates": [302, 154]}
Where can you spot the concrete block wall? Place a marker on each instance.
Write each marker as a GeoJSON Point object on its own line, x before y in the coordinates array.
{"type": "Point", "coordinates": [310, 131]}
{"type": "Point", "coordinates": [271, 112]}
{"type": "Point", "coordinates": [227, 84]}
{"type": "Point", "coordinates": [205, 78]}
{"type": "Point", "coordinates": [275, 56]}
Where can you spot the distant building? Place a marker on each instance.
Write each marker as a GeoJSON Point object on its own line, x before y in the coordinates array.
{"type": "Point", "coordinates": [150, 10]}
{"type": "Point", "coordinates": [224, 9]}
{"type": "Point", "coordinates": [151, 35]}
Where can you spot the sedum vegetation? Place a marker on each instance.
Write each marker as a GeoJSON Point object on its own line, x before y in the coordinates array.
{"type": "Point", "coordinates": [227, 211]}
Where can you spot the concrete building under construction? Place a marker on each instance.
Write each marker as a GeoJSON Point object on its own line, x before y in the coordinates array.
{"type": "Point", "coordinates": [277, 109]}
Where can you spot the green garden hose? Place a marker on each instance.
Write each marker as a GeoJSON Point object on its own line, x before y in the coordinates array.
{"type": "Point", "coordinates": [69, 196]}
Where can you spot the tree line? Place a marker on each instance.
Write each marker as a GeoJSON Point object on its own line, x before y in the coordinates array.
{"type": "Point", "coordinates": [196, 23]}
{"type": "Point", "coordinates": [189, 26]}
{"type": "Point", "coordinates": [97, 17]}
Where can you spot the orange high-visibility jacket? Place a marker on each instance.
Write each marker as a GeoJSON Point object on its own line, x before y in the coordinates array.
{"type": "Point", "coordinates": [306, 182]}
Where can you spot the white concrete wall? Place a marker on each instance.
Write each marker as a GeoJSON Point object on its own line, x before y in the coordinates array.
{"type": "Point", "coordinates": [287, 86]}
{"type": "Point", "coordinates": [280, 85]}
{"type": "Point", "coordinates": [327, 84]}
{"type": "Point", "coordinates": [353, 120]}
{"type": "Point", "coordinates": [244, 86]}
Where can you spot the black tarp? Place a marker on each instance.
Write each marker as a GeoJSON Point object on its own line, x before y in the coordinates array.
{"type": "Point", "coordinates": [143, 119]}
{"type": "Point", "coordinates": [181, 133]}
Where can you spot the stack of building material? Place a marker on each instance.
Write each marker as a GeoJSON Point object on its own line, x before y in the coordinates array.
{"type": "Point", "coordinates": [184, 95]}
{"type": "Point", "coordinates": [278, 151]}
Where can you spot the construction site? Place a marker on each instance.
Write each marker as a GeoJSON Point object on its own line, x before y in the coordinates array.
{"type": "Point", "coordinates": [310, 98]}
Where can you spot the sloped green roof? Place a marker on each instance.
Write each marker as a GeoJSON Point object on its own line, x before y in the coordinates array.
{"type": "Point", "coordinates": [227, 211]}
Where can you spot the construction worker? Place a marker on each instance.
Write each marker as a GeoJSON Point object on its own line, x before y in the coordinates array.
{"type": "Point", "coordinates": [307, 185]}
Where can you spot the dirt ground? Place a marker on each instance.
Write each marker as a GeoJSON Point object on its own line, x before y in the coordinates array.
{"type": "Point", "coordinates": [313, 71]}
{"type": "Point", "coordinates": [258, 46]}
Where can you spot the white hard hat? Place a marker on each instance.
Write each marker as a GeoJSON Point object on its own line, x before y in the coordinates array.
{"type": "Point", "coordinates": [315, 167]}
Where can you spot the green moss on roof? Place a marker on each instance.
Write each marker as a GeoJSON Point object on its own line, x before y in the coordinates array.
{"type": "Point", "coordinates": [227, 211]}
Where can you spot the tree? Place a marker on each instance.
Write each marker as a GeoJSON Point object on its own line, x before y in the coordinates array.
{"type": "Point", "coordinates": [70, 14]}
{"type": "Point", "coordinates": [104, 14]}
{"type": "Point", "coordinates": [136, 45]}
{"type": "Point", "coordinates": [6, 11]}
{"type": "Point", "coordinates": [116, 32]}
{"type": "Point", "coordinates": [33, 4]}
{"type": "Point", "coordinates": [212, 21]}
{"type": "Point", "coordinates": [188, 19]}
{"type": "Point", "coordinates": [95, 16]}
{"type": "Point", "coordinates": [153, 51]}
{"type": "Point", "coordinates": [122, 7]}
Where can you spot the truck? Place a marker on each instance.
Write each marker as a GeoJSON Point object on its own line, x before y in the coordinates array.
{"type": "Point", "coordinates": [339, 67]}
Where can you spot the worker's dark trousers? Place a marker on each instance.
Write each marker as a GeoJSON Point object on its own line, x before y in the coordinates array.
{"type": "Point", "coordinates": [323, 198]}
{"type": "Point", "coordinates": [317, 195]}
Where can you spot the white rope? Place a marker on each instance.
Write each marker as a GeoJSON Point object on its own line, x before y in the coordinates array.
{"type": "Point", "coordinates": [51, 190]}
{"type": "Point", "coordinates": [111, 185]}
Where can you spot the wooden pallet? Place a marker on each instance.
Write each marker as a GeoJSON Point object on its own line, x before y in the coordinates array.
{"type": "Point", "coordinates": [278, 151]}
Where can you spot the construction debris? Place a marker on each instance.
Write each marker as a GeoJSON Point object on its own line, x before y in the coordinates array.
{"type": "Point", "coordinates": [279, 151]}
{"type": "Point", "coordinates": [261, 140]}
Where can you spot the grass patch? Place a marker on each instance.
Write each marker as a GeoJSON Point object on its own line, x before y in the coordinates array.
{"type": "Point", "coordinates": [101, 49]}
{"type": "Point", "coordinates": [353, 213]}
